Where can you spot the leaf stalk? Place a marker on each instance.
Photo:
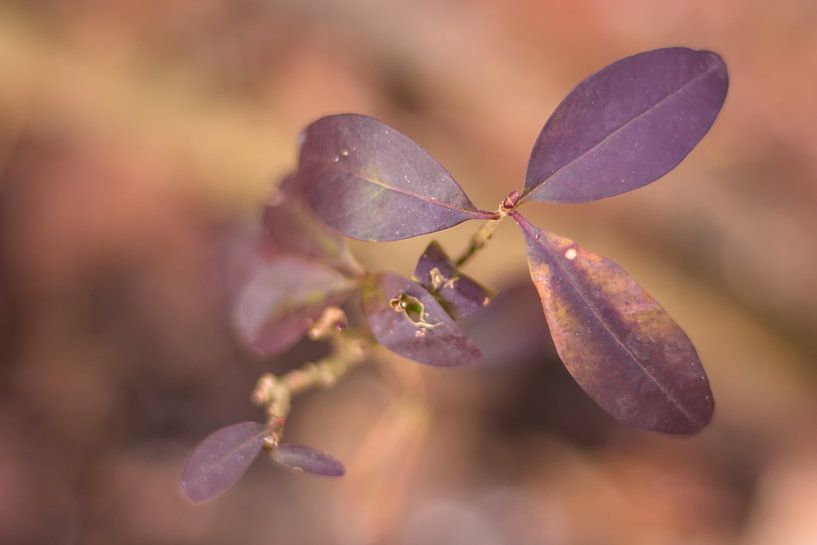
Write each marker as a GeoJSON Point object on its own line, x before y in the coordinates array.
{"type": "Point", "coordinates": [274, 393]}
{"type": "Point", "coordinates": [481, 237]}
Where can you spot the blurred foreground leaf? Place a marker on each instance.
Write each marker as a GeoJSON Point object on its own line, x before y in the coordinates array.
{"type": "Point", "coordinates": [281, 297]}
{"type": "Point", "coordinates": [291, 227]}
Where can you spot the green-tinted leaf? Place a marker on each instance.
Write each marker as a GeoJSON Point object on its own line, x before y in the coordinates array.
{"type": "Point", "coordinates": [370, 182]}
{"type": "Point", "coordinates": [618, 343]}
{"type": "Point", "coordinates": [408, 320]}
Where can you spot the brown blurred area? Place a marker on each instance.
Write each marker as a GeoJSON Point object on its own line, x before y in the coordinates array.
{"type": "Point", "coordinates": [135, 137]}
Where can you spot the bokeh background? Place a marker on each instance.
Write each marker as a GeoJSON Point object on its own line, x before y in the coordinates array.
{"type": "Point", "coordinates": [136, 139]}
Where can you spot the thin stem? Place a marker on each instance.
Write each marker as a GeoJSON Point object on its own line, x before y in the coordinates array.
{"type": "Point", "coordinates": [486, 231]}
{"type": "Point", "coordinates": [274, 393]}
{"type": "Point", "coordinates": [478, 241]}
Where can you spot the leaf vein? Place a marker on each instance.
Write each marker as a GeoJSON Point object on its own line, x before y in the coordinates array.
{"type": "Point", "coordinates": [629, 122]}
{"type": "Point", "coordinates": [584, 297]}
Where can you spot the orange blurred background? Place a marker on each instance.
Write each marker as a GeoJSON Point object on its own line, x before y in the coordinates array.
{"type": "Point", "coordinates": [137, 137]}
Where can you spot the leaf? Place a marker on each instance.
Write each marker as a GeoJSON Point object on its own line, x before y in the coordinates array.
{"type": "Point", "coordinates": [221, 459]}
{"type": "Point", "coordinates": [308, 459]}
{"type": "Point", "coordinates": [618, 343]}
{"type": "Point", "coordinates": [290, 226]}
{"type": "Point", "coordinates": [626, 125]}
{"type": "Point", "coordinates": [408, 320]}
{"type": "Point", "coordinates": [460, 295]}
{"type": "Point", "coordinates": [370, 182]}
{"type": "Point", "coordinates": [510, 331]}
{"type": "Point", "coordinates": [281, 297]}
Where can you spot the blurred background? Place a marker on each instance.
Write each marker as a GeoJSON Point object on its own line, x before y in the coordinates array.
{"type": "Point", "coordinates": [136, 137]}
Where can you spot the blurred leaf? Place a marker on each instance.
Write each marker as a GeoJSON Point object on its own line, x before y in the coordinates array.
{"type": "Point", "coordinates": [370, 182]}
{"type": "Point", "coordinates": [281, 297]}
{"type": "Point", "coordinates": [290, 226]}
{"type": "Point", "coordinates": [221, 459]}
{"type": "Point", "coordinates": [408, 320]}
{"type": "Point", "coordinates": [460, 295]}
{"type": "Point", "coordinates": [510, 330]}
{"type": "Point", "coordinates": [626, 125]}
{"type": "Point", "coordinates": [618, 343]}
{"type": "Point", "coordinates": [308, 459]}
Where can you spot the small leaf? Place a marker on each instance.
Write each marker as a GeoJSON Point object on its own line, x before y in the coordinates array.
{"type": "Point", "coordinates": [626, 125]}
{"type": "Point", "coordinates": [308, 459]}
{"type": "Point", "coordinates": [408, 320]}
{"type": "Point", "coordinates": [460, 295]}
{"type": "Point", "coordinates": [291, 227]}
{"type": "Point", "coordinates": [618, 343]}
{"type": "Point", "coordinates": [281, 297]}
{"type": "Point", "coordinates": [221, 459]}
{"type": "Point", "coordinates": [370, 182]}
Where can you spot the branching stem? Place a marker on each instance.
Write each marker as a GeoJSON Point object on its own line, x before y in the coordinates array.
{"type": "Point", "coordinates": [486, 231]}
{"type": "Point", "coordinates": [274, 393]}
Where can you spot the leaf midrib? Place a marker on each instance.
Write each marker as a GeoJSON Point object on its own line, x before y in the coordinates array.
{"type": "Point", "coordinates": [624, 126]}
{"type": "Point", "coordinates": [584, 297]}
{"type": "Point", "coordinates": [472, 213]}
{"type": "Point", "coordinates": [233, 451]}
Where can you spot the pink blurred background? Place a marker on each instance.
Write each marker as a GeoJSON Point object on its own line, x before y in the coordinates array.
{"type": "Point", "coordinates": [136, 137]}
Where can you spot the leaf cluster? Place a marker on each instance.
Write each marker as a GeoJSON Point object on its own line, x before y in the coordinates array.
{"type": "Point", "coordinates": [620, 129]}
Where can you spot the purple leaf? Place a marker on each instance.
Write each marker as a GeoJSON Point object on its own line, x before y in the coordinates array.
{"type": "Point", "coordinates": [370, 182]}
{"type": "Point", "coordinates": [408, 320]}
{"type": "Point", "coordinates": [281, 297]}
{"type": "Point", "coordinates": [291, 227]}
{"type": "Point", "coordinates": [510, 330]}
{"type": "Point", "coordinates": [308, 459]}
{"type": "Point", "coordinates": [618, 343]}
{"type": "Point", "coordinates": [626, 125]}
{"type": "Point", "coordinates": [460, 295]}
{"type": "Point", "coordinates": [221, 459]}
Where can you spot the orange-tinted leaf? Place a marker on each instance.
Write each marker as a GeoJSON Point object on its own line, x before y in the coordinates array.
{"type": "Point", "coordinates": [618, 343]}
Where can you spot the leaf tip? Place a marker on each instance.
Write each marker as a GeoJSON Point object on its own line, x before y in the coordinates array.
{"type": "Point", "coordinates": [308, 460]}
